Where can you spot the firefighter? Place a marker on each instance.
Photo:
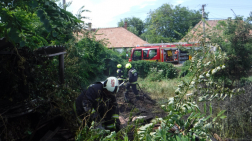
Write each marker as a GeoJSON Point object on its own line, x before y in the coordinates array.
{"type": "Point", "coordinates": [98, 103]}
{"type": "Point", "coordinates": [132, 74]}
{"type": "Point", "coordinates": [176, 55]}
{"type": "Point", "coordinates": [119, 73]}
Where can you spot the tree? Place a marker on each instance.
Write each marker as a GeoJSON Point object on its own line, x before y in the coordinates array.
{"type": "Point", "coordinates": [36, 23]}
{"type": "Point", "coordinates": [135, 25]}
{"type": "Point", "coordinates": [169, 23]}
{"type": "Point", "coordinates": [236, 41]}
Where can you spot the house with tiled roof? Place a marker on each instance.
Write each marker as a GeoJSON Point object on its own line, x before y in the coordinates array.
{"type": "Point", "coordinates": [117, 37]}
{"type": "Point", "coordinates": [196, 33]}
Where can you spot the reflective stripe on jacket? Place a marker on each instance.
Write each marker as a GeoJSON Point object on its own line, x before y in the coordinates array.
{"type": "Point", "coordinates": [133, 75]}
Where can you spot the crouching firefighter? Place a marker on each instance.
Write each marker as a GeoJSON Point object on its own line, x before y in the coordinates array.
{"type": "Point", "coordinates": [119, 73]}
{"type": "Point", "coordinates": [132, 74]}
{"type": "Point", "coordinates": [98, 103]}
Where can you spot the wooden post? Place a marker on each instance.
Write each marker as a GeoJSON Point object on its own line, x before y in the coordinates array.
{"type": "Point", "coordinates": [61, 68]}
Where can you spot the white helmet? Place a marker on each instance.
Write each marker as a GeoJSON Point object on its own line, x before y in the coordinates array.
{"type": "Point", "coordinates": [111, 84]}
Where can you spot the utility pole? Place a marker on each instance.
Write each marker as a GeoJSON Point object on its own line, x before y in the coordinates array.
{"type": "Point", "coordinates": [234, 13]}
{"type": "Point", "coordinates": [64, 4]}
{"type": "Point", "coordinates": [203, 20]}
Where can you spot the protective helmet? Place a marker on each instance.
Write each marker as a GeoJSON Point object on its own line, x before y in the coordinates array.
{"type": "Point", "coordinates": [119, 66]}
{"type": "Point", "coordinates": [111, 84]}
{"type": "Point", "coordinates": [128, 66]}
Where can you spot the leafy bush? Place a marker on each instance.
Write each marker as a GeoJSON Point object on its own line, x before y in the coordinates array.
{"type": "Point", "coordinates": [124, 52]}
{"type": "Point", "coordinates": [89, 59]}
{"type": "Point", "coordinates": [41, 24]}
{"type": "Point", "coordinates": [155, 76]}
{"type": "Point", "coordinates": [145, 67]}
{"type": "Point", "coordinates": [185, 69]}
{"type": "Point", "coordinates": [237, 43]}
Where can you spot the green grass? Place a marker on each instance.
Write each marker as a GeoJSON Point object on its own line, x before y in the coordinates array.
{"type": "Point", "coordinates": [161, 90]}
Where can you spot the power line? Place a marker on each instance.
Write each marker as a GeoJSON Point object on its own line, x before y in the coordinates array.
{"type": "Point", "coordinates": [233, 6]}
{"type": "Point", "coordinates": [217, 14]}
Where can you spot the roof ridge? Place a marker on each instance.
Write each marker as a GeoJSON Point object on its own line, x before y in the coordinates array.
{"type": "Point", "coordinates": [217, 20]}
{"type": "Point", "coordinates": [105, 27]}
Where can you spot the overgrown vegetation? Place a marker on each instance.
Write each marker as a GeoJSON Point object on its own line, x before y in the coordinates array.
{"type": "Point", "coordinates": [32, 97]}
{"type": "Point", "coordinates": [160, 69]}
{"type": "Point", "coordinates": [236, 41]}
{"type": "Point", "coordinates": [29, 83]}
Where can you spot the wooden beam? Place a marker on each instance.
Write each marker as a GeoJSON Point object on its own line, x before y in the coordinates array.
{"type": "Point", "coordinates": [56, 54]}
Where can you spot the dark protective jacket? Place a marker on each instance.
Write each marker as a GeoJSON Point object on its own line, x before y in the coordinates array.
{"type": "Point", "coordinates": [132, 74]}
{"type": "Point", "coordinates": [105, 107]}
{"type": "Point", "coordinates": [119, 73]}
{"type": "Point", "coordinates": [94, 98]}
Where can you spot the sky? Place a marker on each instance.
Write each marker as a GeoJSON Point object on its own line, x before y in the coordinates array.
{"type": "Point", "coordinates": [107, 13]}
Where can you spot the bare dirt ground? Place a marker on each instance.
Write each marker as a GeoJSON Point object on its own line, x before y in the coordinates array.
{"type": "Point", "coordinates": [135, 108]}
{"type": "Point", "coordinates": [129, 112]}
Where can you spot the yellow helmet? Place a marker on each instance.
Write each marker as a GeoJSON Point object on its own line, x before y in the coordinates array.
{"type": "Point", "coordinates": [128, 66]}
{"type": "Point", "coordinates": [119, 66]}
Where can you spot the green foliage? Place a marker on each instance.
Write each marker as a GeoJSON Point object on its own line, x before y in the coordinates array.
{"type": "Point", "coordinates": [89, 59]}
{"type": "Point", "coordinates": [134, 25]}
{"type": "Point", "coordinates": [143, 67]}
{"type": "Point", "coordinates": [169, 23]}
{"type": "Point", "coordinates": [88, 134]}
{"type": "Point", "coordinates": [123, 54]}
{"type": "Point", "coordinates": [155, 76]}
{"type": "Point", "coordinates": [34, 79]}
{"type": "Point", "coordinates": [205, 88]}
{"type": "Point", "coordinates": [236, 41]}
{"type": "Point", "coordinates": [185, 69]}
{"type": "Point", "coordinates": [35, 23]}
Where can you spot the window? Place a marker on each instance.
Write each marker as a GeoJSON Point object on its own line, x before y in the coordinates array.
{"type": "Point", "coordinates": [145, 52]}
{"type": "Point", "coordinates": [137, 55]}
{"type": "Point", "coordinates": [152, 53]}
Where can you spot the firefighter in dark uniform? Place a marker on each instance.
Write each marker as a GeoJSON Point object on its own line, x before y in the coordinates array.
{"type": "Point", "coordinates": [132, 74]}
{"type": "Point", "coordinates": [119, 73]}
{"type": "Point", "coordinates": [98, 103]}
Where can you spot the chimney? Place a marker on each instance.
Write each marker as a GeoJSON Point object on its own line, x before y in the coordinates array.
{"type": "Point", "coordinates": [125, 25]}
{"type": "Point", "coordinates": [89, 26]}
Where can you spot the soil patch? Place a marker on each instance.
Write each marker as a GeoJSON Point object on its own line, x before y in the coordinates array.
{"type": "Point", "coordinates": [136, 108]}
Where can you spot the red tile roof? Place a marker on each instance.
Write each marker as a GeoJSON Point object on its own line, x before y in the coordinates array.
{"type": "Point", "coordinates": [196, 34]}
{"type": "Point", "coordinates": [118, 37]}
